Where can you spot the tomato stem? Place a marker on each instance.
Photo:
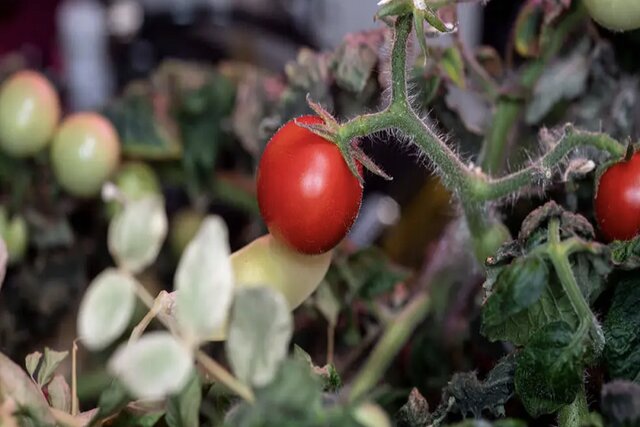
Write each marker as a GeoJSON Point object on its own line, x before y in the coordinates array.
{"type": "Point", "coordinates": [396, 334]}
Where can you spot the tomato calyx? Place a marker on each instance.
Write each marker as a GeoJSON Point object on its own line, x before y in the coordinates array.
{"type": "Point", "coordinates": [349, 149]}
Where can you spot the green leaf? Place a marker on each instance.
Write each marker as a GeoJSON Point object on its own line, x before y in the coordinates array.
{"type": "Point", "coordinates": [467, 395]}
{"type": "Point", "coordinates": [527, 30]}
{"type": "Point", "coordinates": [507, 422]}
{"type": "Point", "coordinates": [106, 308]}
{"type": "Point", "coordinates": [17, 386]}
{"type": "Point", "coordinates": [353, 63]}
{"type": "Point", "coordinates": [204, 281]}
{"type": "Point", "coordinates": [452, 66]}
{"type": "Point", "coordinates": [549, 371]}
{"type": "Point", "coordinates": [622, 330]}
{"type": "Point", "coordinates": [201, 116]}
{"type": "Point", "coordinates": [183, 409]}
{"type": "Point", "coordinates": [621, 404]}
{"type": "Point", "coordinates": [564, 79]}
{"type": "Point", "coordinates": [137, 232]}
{"type": "Point", "coordinates": [415, 412]}
{"type": "Point", "coordinates": [517, 287]}
{"type": "Point", "coordinates": [59, 393]}
{"type": "Point", "coordinates": [553, 305]}
{"type": "Point", "coordinates": [154, 366]}
{"type": "Point", "coordinates": [144, 132]}
{"type": "Point", "coordinates": [625, 254]}
{"type": "Point", "coordinates": [112, 400]}
{"type": "Point", "coordinates": [292, 399]}
{"type": "Point", "coordinates": [50, 363]}
{"type": "Point", "coordinates": [128, 418]}
{"type": "Point", "coordinates": [259, 332]}
{"type": "Point", "coordinates": [394, 8]}
{"type": "Point", "coordinates": [32, 361]}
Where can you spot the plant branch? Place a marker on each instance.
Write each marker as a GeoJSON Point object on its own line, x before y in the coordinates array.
{"type": "Point", "coordinates": [217, 371]}
{"type": "Point", "coordinates": [389, 345]}
{"type": "Point", "coordinates": [541, 170]}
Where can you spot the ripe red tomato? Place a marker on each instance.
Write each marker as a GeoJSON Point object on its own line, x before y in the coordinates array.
{"type": "Point", "coordinates": [307, 195]}
{"type": "Point", "coordinates": [617, 201]}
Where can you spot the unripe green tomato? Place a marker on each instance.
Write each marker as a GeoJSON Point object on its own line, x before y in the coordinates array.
{"type": "Point", "coordinates": [134, 180]}
{"type": "Point", "coordinates": [371, 415]}
{"type": "Point", "coordinates": [29, 113]}
{"type": "Point", "coordinates": [492, 238]}
{"type": "Point", "coordinates": [267, 262]}
{"type": "Point", "coordinates": [184, 227]}
{"type": "Point", "coordinates": [616, 15]}
{"type": "Point", "coordinates": [15, 234]}
{"type": "Point", "coordinates": [85, 152]}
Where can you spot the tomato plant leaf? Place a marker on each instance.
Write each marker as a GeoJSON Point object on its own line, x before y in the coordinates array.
{"type": "Point", "coordinates": [549, 371]}
{"type": "Point", "coordinates": [517, 287]}
{"type": "Point", "coordinates": [204, 281]}
{"type": "Point", "coordinates": [564, 79]}
{"type": "Point", "coordinates": [154, 366]}
{"type": "Point", "coordinates": [201, 114]}
{"type": "Point", "coordinates": [621, 404]}
{"type": "Point", "coordinates": [466, 394]}
{"type": "Point", "coordinates": [622, 330]}
{"type": "Point", "coordinates": [353, 63]}
{"type": "Point", "coordinates": [553, 305]}
{"type": "Point", "coordinates": [144, 131]}
{"type": "Point", "coordinates": [137, 232]}
{"type": "Point", "coordinates": [626, 254]}
{"type": "Point", "coordinates": [106, 308]}
{"type": "Point", "coordinates": [260, 328]}
{"type": "Point", "coordinates": [16, 385]}
{"type": "Point", "coordinates": [527, 29]}
{"type": "Point", "coordinates": [183, 409]}
{"type": "Point", "coordinates": [452, 66]}
{"type": "Point", "coordinates": [507, 422]}
{"type": "Point", "coordinates": [415, 412]}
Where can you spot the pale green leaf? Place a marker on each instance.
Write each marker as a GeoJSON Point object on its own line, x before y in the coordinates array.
{"type": "Point", "coordinates": [59, 393]}
{"type": "Point", "coordinates": [137, 232]}
{"type": "Point", "coordinates": [16, 385]}
{"type": "Point", "coordinates": [106, 308]}
{"type": "Point", "coordinates": [204, 281]}
{"type": "Point", "coordinates": [259, 333]}
{"type": "Point", "coordinates": [154, 366]}
{"type": "Point", "coordinates": [50, 363]}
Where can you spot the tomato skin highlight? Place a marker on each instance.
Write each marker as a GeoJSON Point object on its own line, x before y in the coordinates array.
{"type": "Point", "coordinates": [307, 195]}
{"type": "Point", "coordinates": [617, 200]}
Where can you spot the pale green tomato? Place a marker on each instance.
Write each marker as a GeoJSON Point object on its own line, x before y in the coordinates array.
{"type": "Point", "coordinates": [184, 226]}
{"type": "Point", "coordinates": [616, 15]}
{"type": "Point", "coordinates": [267, 262]}
{"type": "Point", "coordinates": [29, 113]}
{"type": "Point", "coordinates": [84, 153]}
{"type": "Point", "coordinates": [371, 415]}
{"type": "Point", "coordinates": [15, 234]}
{"type": "Point", "coordinates": [134, 180]}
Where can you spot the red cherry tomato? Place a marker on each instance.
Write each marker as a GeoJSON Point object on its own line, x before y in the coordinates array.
{"type": "Point", "coordinates": [617, 200]}
{"type": "Point", "coordinates": [307, 195]}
